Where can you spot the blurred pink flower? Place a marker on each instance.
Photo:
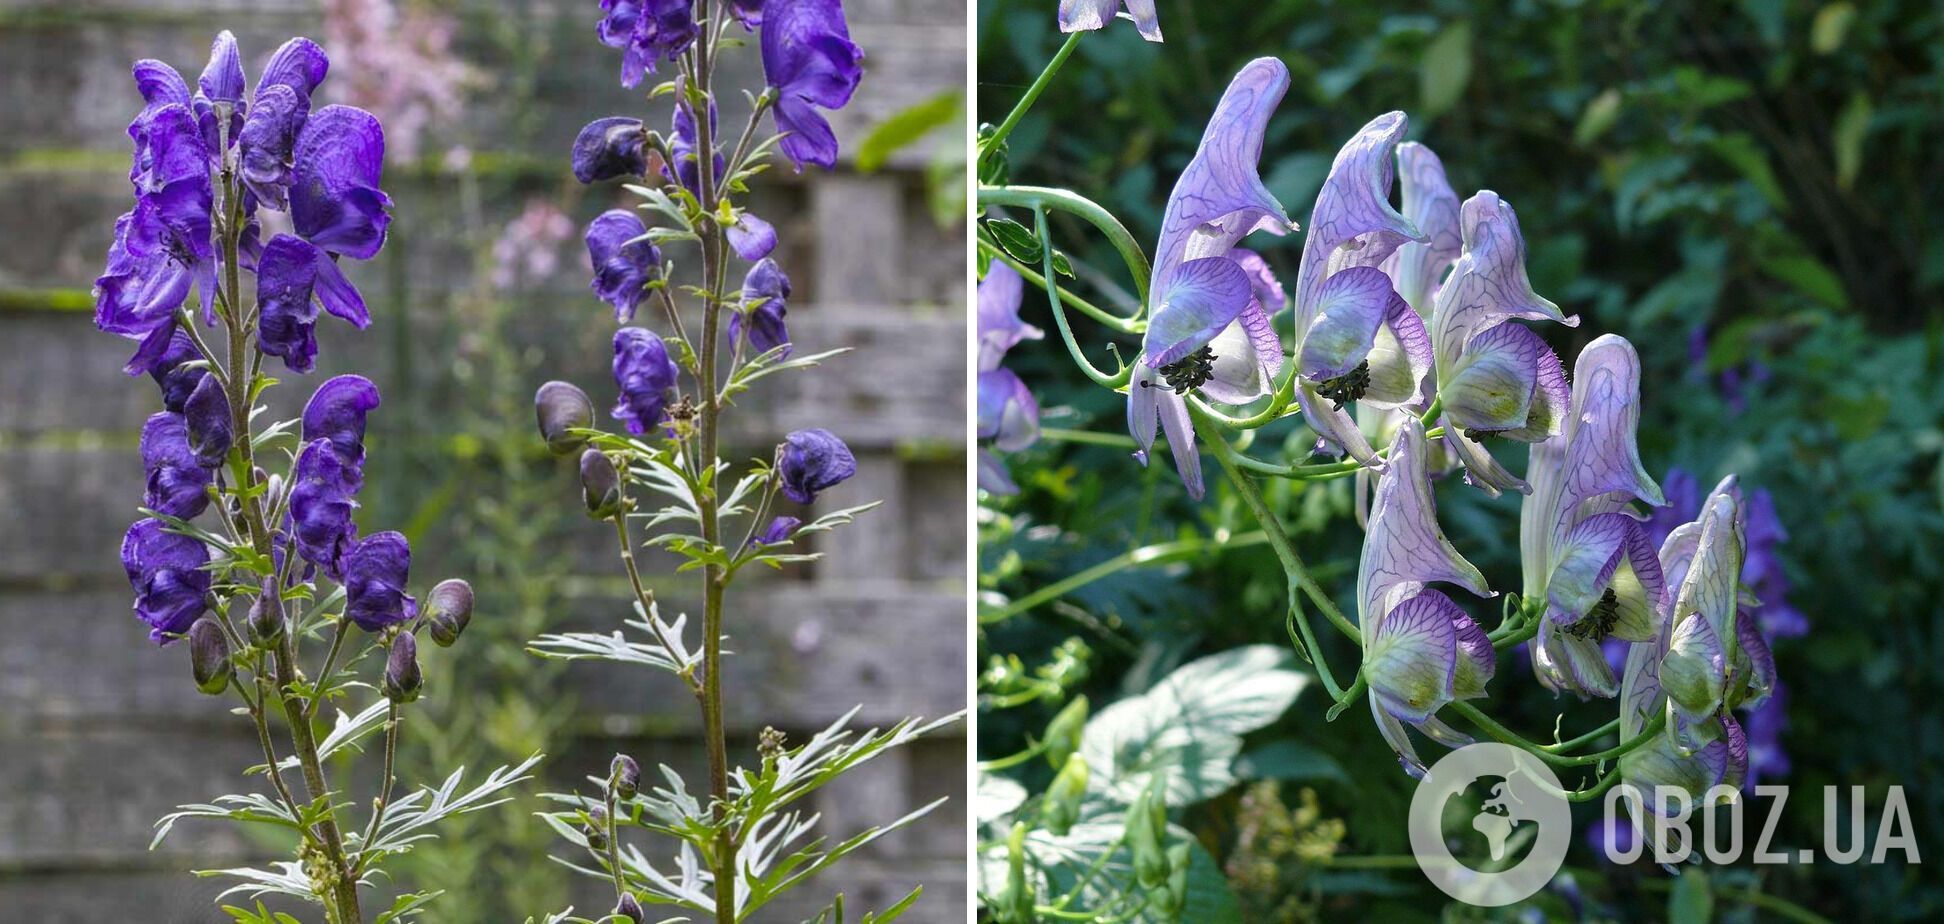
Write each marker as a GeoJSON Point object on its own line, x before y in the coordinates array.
{"type": "Point", "coordinates": [528, 250]}
{"type": "Point", "coordinates": [401, 67]}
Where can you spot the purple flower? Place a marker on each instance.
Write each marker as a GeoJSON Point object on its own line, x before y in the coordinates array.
{"type": "Point", "coordinates": [1199, 290]}
{"type": "Point", "coordinates": [752, 238]}
{"type": "Point", "coordinates": [1008, 412]}
{"type": "Point", "coordinates": [811, 62]}
{"type": "Point", "coordinates": [1420, 650]}
{"type": "Point", "coordinates": [646, 377]}
{"type": "Point", "coordinates": [335, 202]}
{"type": "Point", "coordinates": [287, 323]}
{"type": "Point", "coordinates": [166, 571]}
{"type": "Point", "coordinates": [624, 261]}
{"type": "Point", "coordinates": [813, 461]}
{"type": "Point", "coordinates": [336, 412]}
{"type": "Point", "coordinates": [207, 419]}
{"type": "Point", "coordinates": [375, 575]}
{"type": "Point", "coordinates": [779, 530]}
{"type": "Point", "coordinates": [163, 246]}
{"type": "Point", "coordinates": [747, 12]}
{"type": "Point", "coordinates": [612, 147]}
{"type": "Point", "coordinates": [1087, 15]}
{"type": "Point", "coordinates": [177, 379]}
{"type": "Point", "coordinates": [268, 141]}
{"type": "Point", "coordinates": [767, 289]}
{"type": "Point", "coordinates": [1579, 549]}
{"type": "Point", "coordinates": [221, 84]}
{"type": "Point", "coordinates": [160, 86]}
{"type": "Point", "coordinates": [648, 32]}
{"type": "Point", "coordinates": [683, 141]}
{"type": "Point", "coordinates": [298, 64]}
{"type": "Point", "coordinates": [177, 482]}
{"type": "Point", "coordinates": [323, 485]}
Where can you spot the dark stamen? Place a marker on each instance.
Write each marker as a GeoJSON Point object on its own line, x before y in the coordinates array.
{"type": "Point", "coordinates": [1190, 371]}
{"type": "Point", "coordinates": [1598, 622]}
{"type": "Point", "coordinates": [1347, 387]}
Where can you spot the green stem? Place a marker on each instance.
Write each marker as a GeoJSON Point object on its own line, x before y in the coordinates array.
{"type": "Point", "coordinates": [1588, 738]}
{"type": "Point", "coordinates": [1079, 304]}
{"type": "Point", "coordinates": [1041, 197]}
{"type": "Point", "coordinates": [1492, 727]}
{"type": "Point", "coordinates": [1013, 760]}
{"type": "Point", "coordinates": [1089, 437]}
{"type": "Point", "coordinates": [1033, 92]}
{"type": "Point", "coordinates": [1145, 555]}
{"type": "Point", "coordinates": [1115, 382]}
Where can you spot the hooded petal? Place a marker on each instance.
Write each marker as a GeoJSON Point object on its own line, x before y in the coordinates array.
{"type": "Point", "coordinates": [1708, 585]}
{"type": "Point", "coordinates": [1488, 284]}
{"type": "Point", "coordinates": [1694, 668]}
{"type": "Point", "coordinates": [287, 322]}
{"type": "Point", "coordinates": [1431, 206]}
{"type": "Point", "coordinates": [1008, 412]}
{"type": "Point", "coordinates": [1000, 328]}
{"type": "Point", "coordinates": [1602, 456]}
{"type": "Point", "coordinates": [1353, 223]}
{"type": "Point", "coordinates": [375, 577]}
{"type": "Point", "coordinates": [1411, 660]}
{"type": "Point", "coordinates": [335, 201]}
{"type": "Point", "coordinates": [165, 569]}
{"type": "Point", "coordinates": [1756, 661]}
{"type": "Point", "coordinates": [1568, 663]}
{"type": "Point", "coordinates": [1350, 307]}
{"type": "Point", "coordinates": [808, 56]}
{"type": "Point", "coordinates": [1203, 297]}
{"type": "Point", "coordinates": [615, 146]}
{"type": "Point", "coordinates": [645, 377]}
{"type": "Point", "coordinates": [177, 482]}
{"type": "Point", "coordinates": [814, 461]}
{"type": "Point", "coordinates": [624, 261]}
{"type": "Point", "coordinates": [752, 238]}
{"type": "Point", "coordinates": [1594, 553]}
{"type": "Point", "coordinates": [1404, 547]}
{"type": "Point", "coordinates": [268, 141]}
{"type": "Point", "coordinates": [298, 64]}
{"type": "Point", "coordinates": [222, 78]}
{"type": "Point", "coordinates": [337, 412]}
{"type": "Point", "coordinates": [767, 289]}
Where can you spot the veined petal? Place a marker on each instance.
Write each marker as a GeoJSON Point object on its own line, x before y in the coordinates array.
{"type": "Point", "coordinates": [1143, 399]}
{"type": "Point", "coordinates": [1754, 660]}
{"type": "Point", "coordinates": [1336, 431]}
{"type": "Point", "coordinates": [1694, 667]}
{"type": "Point", "coordinates": [1411, 659]}
{"type": "Point", "coordinates": [1181, 439]}
{"type": "Point", "coordinates": [1248, 354]}
{"type": "Point", "coordinates": [1477, 659]}
{"type": "Point", "coordinates": [1203, 297]}
{"type": "Point", "coordinates": [1350, 306]}
{"type": "Point", "coordinates": [1602, 456]}
{"type": "Point", "coordinates": [1640, 689]}
{"type": "Point", "coordinates": [1400, 361]}
{"type": "Point", "coordinates": [1220, 189]}
{"type": "Point", "coordinates": [1145, 21]}
{"type": "Point", "coordinates": [1488, 283]}
{"type": "Point", "coordinates": [1404, 547]}
{"type": "Point", "coordinates": [1395, 735]}
{"type": "Point", "coordinates": [1658, 766]}
{"type": "Point", "coordinates": [1430, 205]}
{"type": "Point", "coordinates": [1567, 663]}
{"type": "Point", "coordinates": [1589, 559]}
{"type": "Point", "coordinates": [1482, 471]}
{"type": "Point", "coordinates": [1262, 280]}
{"type": "Point", "coordinates": [1008, 412]}
{"type": "Point", "coordinates": [1489, 384]}
{"type": "Point", "coordinates": [1708, 586]}
{"type": "Point", "coordinates": [1086, 15]}
{"type": "Point", "coordinates": [1550, 399]}
{"type": "Point", "coordinates": [1000, 328]}
{"type": "Point", "coordinates": [1353, 212]}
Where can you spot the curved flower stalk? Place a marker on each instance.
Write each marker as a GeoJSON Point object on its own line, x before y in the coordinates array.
{"type": "Point", "coordinates": [1008, 412]}
{"type": "Point", "coordinates": [741, 839]}
{"type": "Point", "coordinates": [1581, 551]}
{"type": "Point", "coordinates": [1420, 650]}
{"type": "Point", "coordinates": [256, 569]}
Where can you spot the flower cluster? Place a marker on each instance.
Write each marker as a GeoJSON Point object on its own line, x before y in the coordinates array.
{"type": "Point", "coordinates": [1008, 412]}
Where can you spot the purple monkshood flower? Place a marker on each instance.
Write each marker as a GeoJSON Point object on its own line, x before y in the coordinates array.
{"type": "Point", "coordinates": [768, 289]}
{"type": "Point", "coordinates": [1762, 570]}
{"type": "Point", "coordinates": [778, 530]}
{"type": "Point", "coordinates": [323, 486]}
{"type": "Point", "coordinates": [163, 245]}
{"type": "Point", "coordinates": [336, 412]}
{"type": "Point", "coordinates": [623, 259]}
{"type": "Point", "coordinates": [335, 202]}
{"type": "Point", "coordinates": [375, 576]}
{"type": "Point", "coordinates": [1420, 650]}
{"type": "Point", "coordinates": [747, 12]}
{"type": "Point", "coordinates": [612, 147]}
{"type": "Point", "coordinates": [1199, 290]}
{"type": "Point", "coordinates": [1087, 15]}
{"type": "Point", "coordinates": [166, 571]}
{"type": "Point", "coordinates": [177, 482]}
{"type": "Point", "coordinates": [207, 418]}
{"type": "Point", "coordinates": [1580, 550]}
{"type": "Point", "coordinates": [813, 461]}
{"type": "Point", "coordinates": [221, 84]}
{"type": "Point", "coordinates": [648, 32]}
{"type": "Point", "coordinates": [268, 141]}
{"type": "Point", "coordinates": [1008, 412]}
{"type": "Point", "coordinates": [752, 238]}
{"type": "Point", "coordinates": [683, 142]}
{"type": "Point", "coordinates": [811, 63]}
{"type": "Point", "coordinates": [287, 322]}
{"type": "Point", "coordinates": [172, 372]}
{"type": "Point", "coordinates": [646, 376]}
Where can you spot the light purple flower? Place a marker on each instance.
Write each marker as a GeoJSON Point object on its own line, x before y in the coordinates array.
{"type": "Point", "coordinates": [648, 32]}
{"type": "Point", "coordinates": [375, 577]}
{"type": "Point", "coordinates": [1000, 329]}
{"type": "Point", "coordinates": [1198, 289]}
{"type": "Point", "coordinates": [752, 238]}
{"type": "Point", "coordinates": [1086, 15]}
{"type": "Point", "coordinates": [1580, 550]}
{"type": "Point", "coordinates": [768, 289]}
{"type": "Point", "coordinates": [811, 63]}
{"type": "Point", "coordinates": [1420, 650]}
{"type": "Point", "coordinates": [610, 147]}
{"type": "Point", "coordinates": [166, 571]}
{"type": "Point", "coordinates": [624, 261]}
{"type": "Point", "coordinates": [646, 377]}
{"type": "Point", "coordinates": [813, 461]}
{"type": "Point", "coordinates": [335, 202]}
{"type": "Point", "coordinates": [177, 483]}
{"type": "Point", "coordinates": [1008, 412]}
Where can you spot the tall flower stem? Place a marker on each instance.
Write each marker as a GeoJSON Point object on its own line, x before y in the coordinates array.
{"type": "Point", "coordinates": [1040, 83]}
{"type": "Point", "coordinates": [1041, 197]}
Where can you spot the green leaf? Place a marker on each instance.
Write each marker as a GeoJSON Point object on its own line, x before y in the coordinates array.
{"type": "Point", "coordinates": [1445, 69]}
{"type": "Point", "coordinates": [1852, 125]}
{"type": "Point", "coordinates": [1807, 275]}
{"type": "Point", "coordinates": [1831, 25]}
{"type": "Point", "coordinates": [905, 127]}
{"type": "Point", "coordinates": [1188, 728]}
{"type": "Point", "coordinates": [1690, 902]}
{"type": "Point", "coordinates": [1600, 114]}
{"type": "Point", "coordinates": [1015, 239]}
{"type": "Point", "coordinates": [1289, 760]}
{"type": "Point", "coordinates": [1059, 863]}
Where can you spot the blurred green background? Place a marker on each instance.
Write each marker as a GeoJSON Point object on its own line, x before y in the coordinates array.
{"type": "Point", "coordinates": [1752, 192]}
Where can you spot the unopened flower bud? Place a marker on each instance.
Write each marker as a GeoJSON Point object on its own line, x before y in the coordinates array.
{"type": "Point", "coordinates": [1061, 808]}
{"type": "Point", "coordinates": [267, 615]}
{"type": "Point", "coordinates": [562, 408]}
{"type": "Point", "coordinates": [1171, 897]}
{"type": "Point", "coordinates": [402, 676]}
{"type": "Point", "coordinates": [209, 656]}
{"type": "Point", "coordinates": [1063, 733]}
{"type": "Point", "coordinates": [447, 611]}
{"type": "Point", "coordinates": [600, 484]}
{"type": "Point", "coordinates": [628, 907]}
{"type": "Point", "coordinates": [595, 830]}
{"type": "Point", "coordinates": [1147, 832]}
{"type": "Point", "coordinates": [626, 775]}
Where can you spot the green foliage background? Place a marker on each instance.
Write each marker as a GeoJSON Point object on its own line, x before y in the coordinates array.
{"type": "Point", "coordinates": [1748, 191]}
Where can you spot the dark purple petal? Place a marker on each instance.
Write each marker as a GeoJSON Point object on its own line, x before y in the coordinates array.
{"type": "Point", "coordinates": [645, 376]}
{"type": "Point", "coordinates": [752, 238]}
{"type": "Point", "coordinates": [160, 86]}
{"type": "Point", "coordinates": [323, 485]}
{"type": "Point", "coordinates": [813, 461]}
{"type": "Point", "coordinates": [335, 292]}
{"type": "Point", "coordinates": [337, 411]}
{"type": "Point", "coordinates": [287, 325]}
{"type": "Point", "coordinates": [268, 141]}
{"type": "Point", "coordinates": [177, 483]}
{"type": "Point", "coordinates": [768, 289]}
{"type": "Point", "coordinates": [747, 12]}
{"type": "Point", "coordinates": [335, 201]}
{"type": "Point", "coordinates": [682, 146]}
{"type": "Point", "coordinates": [623, 261]}
{"type": "Point", "coordinates": [612, 147]}
{"type": "Point", "coordinates": [648, 32]}
{"type": "Point", "coordinates": [778, 530]}
{"type": "Point", "coordinates": [166, 571]}
{"type": "Point", "coordinates": [178, 380]}
{"type": "Point", "coordinates": [1008, 412]}
{"type": "Point", "coordinates": [810, 60]}
{"type": "Point", "coordinates": [375, 577]}
{"type": "Point", "coordinates": [207, 417]}
{"type": "Point", "coordinates": [1000, 328]}
{"type": "Point", "coordinates": [298, 64]}
{"type": "Point", "coordinates": [222, 78]}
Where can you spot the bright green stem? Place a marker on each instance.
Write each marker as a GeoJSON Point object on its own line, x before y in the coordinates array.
{"type": "Point", "coordinates": [1588, 738]}
{"type": "Point", "coordinates": [1033, 92]}
{"type": "Point", "coordinates": [1041, 197]}
{"type": "Point", "coordinates": [1089, 437]}
{"type": "Point", "coordinates": [1116, 381]}
{"type": "Point", "coordinates": [1145, 555]}
{"type": "Point", "coordinates": [1077, 303]}
{"type": "Point", "coordinates": [1492, 727]}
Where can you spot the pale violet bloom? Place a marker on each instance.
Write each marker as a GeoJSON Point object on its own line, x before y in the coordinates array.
{"type": "Point", "coordinates": [1008, 412]}
{"type": "Point", "coordinates": [1086, 15]}
{"type": "Point", "coordinates": [1581, 549]}
{"type": "Point", "coordinates": [1357, 339]}
{"type": "Point", "coordinates": [1494, 377]}
{"type": "Point", "coordinates": [1420, 650]}
{"type": "Point", "coordinates": [1199, 289]}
